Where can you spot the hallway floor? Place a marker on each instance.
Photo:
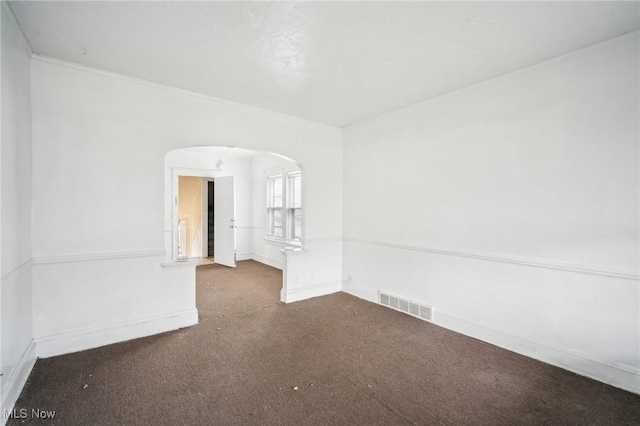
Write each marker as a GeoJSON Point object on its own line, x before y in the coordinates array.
{"type": "Point", "coordinates": [202, 261]}
{"type": "Point", "coordinates": [330, 360]}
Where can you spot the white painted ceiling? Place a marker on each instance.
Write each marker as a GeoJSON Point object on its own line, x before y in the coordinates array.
{"type": "Point", "coordinates": [331, 62]}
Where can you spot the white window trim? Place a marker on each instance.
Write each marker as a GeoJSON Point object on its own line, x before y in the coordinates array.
{"type": "Point", "coordinates": [284, 240]}
{"type": "Point", "coordinates": [289, 227]}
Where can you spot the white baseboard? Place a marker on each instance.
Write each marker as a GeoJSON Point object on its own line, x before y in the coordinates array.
{"type": "Point", "coordinates": [365, 293]}
{"type": "Point", "coordinates": [310, 291]}
{"type": "Point", "coordinates": [243, 256]}
{"type": "Point", "coordinates": [622, 377]}
{"type": "Point", "coordinates": [93, 337]}
{"type": "Point", "coordinates": [267, 261]}
{"type": "Point", "coordinates": [13, 385]}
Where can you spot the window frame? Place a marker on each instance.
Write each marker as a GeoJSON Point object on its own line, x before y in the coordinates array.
{"type": "Point", "coordinates": [271, 208]}
{"type": "Point", "coordinates": [290, 209]}
{"type": "Point", "coordinates": [286, 208]}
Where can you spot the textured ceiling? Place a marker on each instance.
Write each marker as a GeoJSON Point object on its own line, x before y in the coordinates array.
{"type": "Point", "coordinates": [331, 62]}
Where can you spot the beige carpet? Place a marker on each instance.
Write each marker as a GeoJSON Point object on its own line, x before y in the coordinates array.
{"type": "Point", "coordinates": [330, 360]}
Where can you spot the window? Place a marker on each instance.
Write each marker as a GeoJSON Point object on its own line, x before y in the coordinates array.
{"type": "Point", "coordinates": [284, 208]}
{"type": "Point", "coordinates": [274, 207]}
{"type": "Point", "coordinates": [294, 207]}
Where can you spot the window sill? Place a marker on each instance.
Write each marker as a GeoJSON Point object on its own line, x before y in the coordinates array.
{"type": "Point", "coordinates": [293, 251]}
{"type": "Point", "coordinates": [294, 244]}
{"type": "Point", "coordinates": [193, 262]}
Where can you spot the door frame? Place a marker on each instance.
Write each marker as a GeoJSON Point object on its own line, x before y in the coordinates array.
{"type": "Point", "coordinates": [205, 214]}
{"type": "Point", "coordinates": [176, 172]}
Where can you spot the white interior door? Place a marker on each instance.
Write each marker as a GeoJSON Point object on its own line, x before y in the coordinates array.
{"type": "Point", "coordinates": [224, 221]}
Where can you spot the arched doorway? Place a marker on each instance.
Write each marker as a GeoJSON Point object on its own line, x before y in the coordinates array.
{"type": "Point", "coordinates": [266, 216]}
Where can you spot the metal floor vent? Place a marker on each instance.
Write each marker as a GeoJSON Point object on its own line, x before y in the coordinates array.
{"type": "Point", "coordinates": [415, 309]}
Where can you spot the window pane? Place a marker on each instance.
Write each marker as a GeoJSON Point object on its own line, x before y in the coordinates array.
{"type": "Point", "coordinates": [275, 222]}
{"type": "Point", "coordinates": [274, 191]}
{"type": "Point", "coordinates": [295, 191]}
{"type": "Point", "coordinates": [295, 224]}
{"type": "Point", "coordinates": [277, 218]}
{"type": "Point", "coordinates": [277, 192]}
{"type": "Point", "coordinates": [284, 224]}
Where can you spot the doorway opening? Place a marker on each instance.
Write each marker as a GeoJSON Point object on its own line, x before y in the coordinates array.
{"type": "Point", "coordinates": [238, 210]}
{"type": "Point", "coordinates": [210, 219]}
{"type": "Point", "coordinates": [206, 210]}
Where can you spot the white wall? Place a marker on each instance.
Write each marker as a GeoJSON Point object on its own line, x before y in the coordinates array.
{"type": "Point", "coordinates": [84, 302]}
{"type": "Point", "coordinates": [16, 349]}
{"type": "Point", "coordinates": [262, 167]}
{"type": "Point", "coordinates": [321, 247]}
{"type": "Point", "coordinates": [512, 208]}
{"type": "Point", "coordinates": [99, 144]}
{"type": "Point", "coordinates": [190, 209]}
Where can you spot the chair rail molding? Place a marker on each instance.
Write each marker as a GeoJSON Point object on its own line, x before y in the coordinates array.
{"type": "Point", "coordinates": [532, 262]}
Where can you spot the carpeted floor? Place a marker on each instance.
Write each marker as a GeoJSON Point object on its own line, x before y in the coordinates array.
{"type": "Point", "coordinates": [330, 360]}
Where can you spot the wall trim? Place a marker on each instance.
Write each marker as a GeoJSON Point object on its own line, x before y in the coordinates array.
{"type": "Point", "coordinates": [267, 261]}
{"type": "Point", "coordinates": [211, 173]}
{"type": "Point", "coordinates": [307, 292]}
{"type": "Point", "coordinates": [318, 240]}
{"type": "Point", "coordinates": [92, 337]}
{"type": "Point", "coordinates": [17, 379]}
{"type": "Point", "coordinates": [260, 259]}
{"type": "Point", "coordinates": [555, 59]}
{"type": "Point", "coordinates": [86, 257]}
{"type": "Point", "coordinates": [533, 262]}
{"type": "Point", "coordinates": [621, 376]}
{"type": "Point", "coordinates": [361, 292]}
{"type": "Point", "coordinates": [243, 256]}
{"type": "Point", "coordinates": [15, 271]}
{"type": "Point", "coordinates": [16, 27]}
{"type": "Point", "coordinates": [191, 262]}
{"type": "Point", "coordinates": [168, 88]}
{"type": "Point", "coordinates": [278, 243]}
{"type": "Point", "coordinates": [135, 80]}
